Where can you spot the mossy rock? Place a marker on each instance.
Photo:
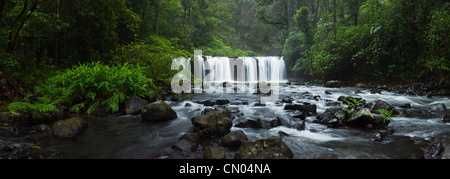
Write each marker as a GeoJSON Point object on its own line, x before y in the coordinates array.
{"type": "Point", "coordinates": [158, 111]}
{"type": "Point", "coordinates": [69, 128]}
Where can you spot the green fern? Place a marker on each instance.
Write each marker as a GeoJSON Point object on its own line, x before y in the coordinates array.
{"type": "Point", "coordinates": [354, 103]}
{"type": "Point", "coordinates": [387, 114]}
{"type": "Point", "coordinates": [27, 107]}
{"type": "Point", "coordinates": [349, 111]}
{"type": "Point", "coordinates": [93, 85]}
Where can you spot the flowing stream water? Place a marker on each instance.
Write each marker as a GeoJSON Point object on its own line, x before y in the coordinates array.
{"type": "Point", "coordinates": [130, 137]}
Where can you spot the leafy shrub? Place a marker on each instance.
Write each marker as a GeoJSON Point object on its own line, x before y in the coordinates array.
{"type": "Point", "coordinates": [156, 54]}
{"type": "Point", "coordinates": [89, 86]}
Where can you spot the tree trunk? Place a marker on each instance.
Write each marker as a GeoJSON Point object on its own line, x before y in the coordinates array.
{"type": "Point", "coordinates": [317, 9]}
{"type": "Point", "coordinates": [15, 33]}
{"type": "Point", "coordinates": [286, 15]}
{"type": "Point", "coordinates": [334, 17]}
{"type": "Point", "coordinates": [356, 12]}
{"type": "Point", "coordinates": [155, 22]}
{"type": "Point", "coordinates": [57, 36]}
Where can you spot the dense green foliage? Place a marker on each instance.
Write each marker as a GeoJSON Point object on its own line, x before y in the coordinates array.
{"type": "Point", "coordinates": [371, 40]}
{"type": "Point", "coordinates": [93, 85]}
{"type": "Point", "coordinates": [156, 55]}
{"type": "Point", "coordinates": [26, 107]}
{"type": "Point", "coordinates": [368, 40]}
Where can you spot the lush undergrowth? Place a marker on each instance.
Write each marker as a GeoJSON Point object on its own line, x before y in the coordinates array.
{"type": "Point", "coordinates": [88, 86]}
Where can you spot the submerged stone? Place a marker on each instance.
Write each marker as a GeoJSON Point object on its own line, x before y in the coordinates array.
{"type": "Point", "coordinates": [68, 128]}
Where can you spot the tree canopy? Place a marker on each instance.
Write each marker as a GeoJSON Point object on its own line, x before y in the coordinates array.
{"type": "Point", "coordinates": [401, 40]}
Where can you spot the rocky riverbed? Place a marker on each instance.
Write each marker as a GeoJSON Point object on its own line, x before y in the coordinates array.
{"type": "Point", "coordinates": [308, 121]}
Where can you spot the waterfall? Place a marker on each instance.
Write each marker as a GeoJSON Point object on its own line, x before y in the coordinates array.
{"type": "Point", "coordinates": [252, 69]}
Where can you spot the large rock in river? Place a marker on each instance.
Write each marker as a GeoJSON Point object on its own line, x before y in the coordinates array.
{"type": "Point", "coordinates": [438, 107]}
{"type": "Point", "coordinates": [446, 118]}
{"type": "Point", "coordinates": [310, 108]}
{"type": "Point", "coordinates": [233, 140]}
{"type": "Point", "coordinates": [363, 118]}
{"type": "Point", "coordinates": [270, 148]}
{"type": "Point", "coordinates": [134, 104]}
{"type": "Point", "coordinates": [158, 111]}
{"type": "Point", "coordinates": [214, 123]}
{"type": "Point", "coordinates": [380, 104]}
{"type": "Point", "coordinates": [68, 128]}
{"type": "Point", "coordinates": [333, 84]}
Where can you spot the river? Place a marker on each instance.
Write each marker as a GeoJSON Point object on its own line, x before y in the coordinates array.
{"type": "Point", "coordinates": [129, 137]}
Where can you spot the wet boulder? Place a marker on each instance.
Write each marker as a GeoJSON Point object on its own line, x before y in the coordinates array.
{"type": "Point", "coordinates": [205, 102]}
{"type": "Point", "coordinates": [214, 153]}
{"type": "Point", "coordinates": [341, 115]}
{"type": "Point", "coordinates": [446, 118]}
{"type": "Point", "coordinates": [222, 102]}
{"type": "Point", "coordinates": [380, 104]}
{"type": "Point", "coordinates": [215, 123]}
{"type": "Point", "coordinates": [375, 91]}
{"type": "Point", "coordinates": [184, 146]}
{"type": "Point", "coordinates": [259, 123]}
{"type": "Point", "coordinates": [363, 118]}
{"type": "Point", "coordinates": [239, 102]}
{"type": "Point", "coordinates": [299, 126]}
{"type": "Point", "coordinates": [175, 99]}
{"type": "Point", "coordinates": [333, 84]}
{"type": "Point", "coordinates": [14, 152]}
{"type": "Point", "coordinates": [381, 135]}
{"type": "Point", "coordinates": [298, 114]}
{"type": "Point", "coordinates": [438, 107]}
{"type": "Point", "coordinates": [158, 112]}
{"type": "Point", "coordinates": [189, 142]}
{"type": "Point", "coordinates": [433, 148]}
{"type": "Point", "coordinates": [287, 100]}
{"type": "Point", "coordinates": [134, 104]}
{"type": "Point", "coordinates": [310, 108]}
{"type": "Point", "coordinates": [446, 153]}
{"type": "Point", "coordinates": [69, 128]}
{"type": "Point", "coordinates": [233, 140]}
{"type": "Point", "coordinates": [325, 117]}
{"type": "Point", "coordinates": [328, 118]}
{"type": "Point", "coordinates": [405, 106]}
{"type": "Point", "coordinates": [270, 148]}
{"type": "Point", "coordinates": [332, 103]}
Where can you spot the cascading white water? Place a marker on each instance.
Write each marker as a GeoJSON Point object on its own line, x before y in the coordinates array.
{"type": "Point", "coordinates": [251, 70]}
{"type": "Point", "coordinates": [222, 69]}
